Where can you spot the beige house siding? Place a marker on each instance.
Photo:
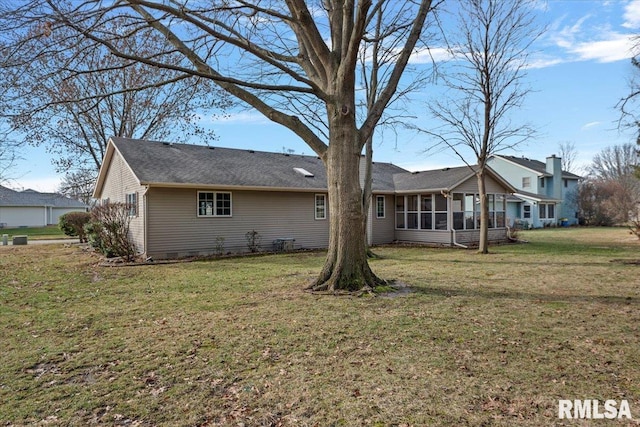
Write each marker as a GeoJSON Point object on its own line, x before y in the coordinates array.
{"type": "Point", "coordinates": [175, 230]}
{"type": "Point", "coordinates": [471, 186]}
{"type": "Point", "coordinates": [436, 237]}
{"type": "Point", "coordinates": [445, 237]}
{"type": "Point", "coordinates": [120, 181]}
{"type": "Point", "coordinates": [382, 230]}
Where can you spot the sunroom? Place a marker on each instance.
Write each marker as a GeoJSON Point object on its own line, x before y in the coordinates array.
{"type": "Point", "coordinates": [448, 214]}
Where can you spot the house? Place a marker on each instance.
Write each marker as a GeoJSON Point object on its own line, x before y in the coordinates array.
{"type": "Point", "coordinates": [30, 208]}
{"type": "Point", "coordinates": [189, 200]}
{"type": "Point", "coordinates": [545, 193]}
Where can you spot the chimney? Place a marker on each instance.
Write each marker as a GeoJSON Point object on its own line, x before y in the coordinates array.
{"type": "Point", "coordinates": [554, 168]}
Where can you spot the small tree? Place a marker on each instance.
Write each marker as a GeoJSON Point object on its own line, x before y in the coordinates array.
{"type": "Point", "coordinates": [72, 224]}
{"type": "Point", "coordinates": [108, 231]}
{"type": "Point", "coordinates": [490, 53]}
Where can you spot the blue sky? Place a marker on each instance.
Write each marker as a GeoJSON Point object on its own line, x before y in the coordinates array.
{"type": "Point", "coordinates": [580, 68]}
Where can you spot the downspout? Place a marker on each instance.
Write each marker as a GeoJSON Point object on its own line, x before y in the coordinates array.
{"type": "Point", "coordinates": [145, 229]}
{"type": "Point", "coordinates": [453, 231]}
{"type": "Point", "coordinates": [454, 241]}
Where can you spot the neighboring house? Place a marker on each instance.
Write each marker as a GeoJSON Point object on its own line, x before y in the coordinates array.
{"type": "Point", "coordinates": [30, 208]}
{"type": "Point", "coordinates": [545, 193]}
{"type": "Point", "coordinates": [189, 200]}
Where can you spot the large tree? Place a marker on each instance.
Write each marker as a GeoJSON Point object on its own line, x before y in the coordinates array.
{"type": "Point", "coordinates": [489, 55]}
{"type": "Point", "coordinates": [293, 61]}
{"type": "Point", "coordinates": [614, 168]}
{"type": "Point", "coordinates": [71, 95]}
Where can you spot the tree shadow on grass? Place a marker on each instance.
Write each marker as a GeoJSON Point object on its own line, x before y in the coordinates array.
{"type": "Point", "coordinates": [492, 294]}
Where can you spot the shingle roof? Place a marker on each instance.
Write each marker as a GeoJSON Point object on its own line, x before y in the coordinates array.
{"type": "Point", "coordinates": [439, 179]}
{"type": "Point", "coordinates": [446, 179]}
{"type": "Point", "coordinates": [161, 163]}
{"type": "Point", "coordinates": [9, 197]}
{"type": "Point", "coordinates": [536, 165]}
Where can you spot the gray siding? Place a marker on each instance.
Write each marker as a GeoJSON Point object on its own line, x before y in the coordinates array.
{"type": "Point", "coordinates": [471, 186]}
{"type": "Point", "coordinates": [120, 181]}
{"type": "Point", "coordinates": [445, 237]}
{"type": "Point", "coordinates": [382, 230]}
{"type": "Point", "coordinates": [175, 230]}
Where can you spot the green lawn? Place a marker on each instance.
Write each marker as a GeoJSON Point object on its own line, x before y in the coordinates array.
{"type": "Point", "coordinates": [478, 340]}
{"type": "Point", "coordinates": [36, 233]}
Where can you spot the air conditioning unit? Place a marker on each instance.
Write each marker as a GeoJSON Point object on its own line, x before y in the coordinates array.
{"type": "Point", "coordinates": [283, 244]}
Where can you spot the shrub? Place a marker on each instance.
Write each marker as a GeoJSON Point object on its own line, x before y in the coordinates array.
{"type": "Point", "coordinates": [72, 224]}
{"type": "Point", "coordinates": [108, 231]}
{"type": "Point", "coordinates": [219, 245]}
{"type": "Point", "coordinates": [253, 240]}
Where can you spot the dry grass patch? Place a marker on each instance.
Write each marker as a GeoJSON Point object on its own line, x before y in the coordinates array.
{"type": "Point", "coordinates": [480, 340]}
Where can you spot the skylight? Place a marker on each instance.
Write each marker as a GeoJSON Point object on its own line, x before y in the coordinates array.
{"type": "Point", "coordinates": [303, 172]}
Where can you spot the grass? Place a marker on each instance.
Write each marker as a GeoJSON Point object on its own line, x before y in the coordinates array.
{"type": "Point", "coordinates": [36, 233]}
{"type": "Point", "coordinates": [479, 340]}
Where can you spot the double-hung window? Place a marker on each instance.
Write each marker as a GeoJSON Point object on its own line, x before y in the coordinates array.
{"type": "Point", "coordinates": [379, 206]}
{"type": "Point", "coordinates": [321, 206]}
{"type": "Point", "coordinates": [132, 203]}
{"type": "Point", "coordinates": [214, 204]}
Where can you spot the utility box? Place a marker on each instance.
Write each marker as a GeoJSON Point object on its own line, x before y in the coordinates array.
{"type": "Point", "coordinates": [283, 244]}
{"type": "Point", "coordinates": [5, 239]}
{"type": "Point", "coordinates": [19, 240]}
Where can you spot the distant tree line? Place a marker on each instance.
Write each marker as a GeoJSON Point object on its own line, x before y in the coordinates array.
{"type": "Point", "coordinates": [609, 194]}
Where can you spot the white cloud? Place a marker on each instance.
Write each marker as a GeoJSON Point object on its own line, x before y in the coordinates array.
{"type": "Point", "coordinates": [616, 47]}
{"type": "Point", "coordinates": [427, 56]}
{"type": "Point", "coordinates": [590, 125]}
{"type": "Point", "coordinates": [632, 15]}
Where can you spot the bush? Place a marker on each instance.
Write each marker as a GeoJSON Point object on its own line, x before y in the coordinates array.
{"type": "Point", "coordinates": [108, 231]}
{"type": "Point", "coordinates": [72, 224]}
{"type": "Point", "coordinates": [254, 240]}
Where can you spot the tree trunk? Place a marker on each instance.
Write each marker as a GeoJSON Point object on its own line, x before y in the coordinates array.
{"type": "Point", "coordinates": [483, 247]}
{"type": "Point", "coordinates": [346, 267]}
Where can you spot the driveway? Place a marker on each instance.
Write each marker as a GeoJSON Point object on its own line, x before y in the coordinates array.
{"type": "Point", "coordinates": [42, 242]}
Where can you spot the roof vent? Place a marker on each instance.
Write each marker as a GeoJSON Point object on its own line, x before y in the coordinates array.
{"type": "Point", "coordinates": [303, 172]}
{"type": "Point", "coordinates": [251, 151]}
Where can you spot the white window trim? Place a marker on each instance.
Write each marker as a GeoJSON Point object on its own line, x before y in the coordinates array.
{"type": "Point", "coordinates": [214, 213]}
{"type": "Point", "coordinates": [384, 207]}
{"type": "Point", "coordinates": [133, 204]}
{"type": "Point", "coordinates": [324, 207]}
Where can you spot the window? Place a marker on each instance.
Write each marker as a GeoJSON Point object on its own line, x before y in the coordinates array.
{"type": "Point", "coordinates": [321, 206]}
{"type": "Point", "coordinates": [380, 206]}
{"type": "Point", "coordinates": [132, 203]}
{"type": "Point", "coordinates": [458, 211]}
{"type": "Point", "coordinates": [441, 212]}
{"type": "Point", "coordinates": [542, 182]}
{"type": "Point", "coordinates": [501, 205]}
{"type": "Point", "coordinates": [412, 212]}
{"type": "Point", "coordinates": [526, 214]}
{"type": "Point", "coordinates": [399, 211]}
{"type": "Point", "coordinates": [547, 211]}
{"type": "Point", "coordinates": [526, 182]}
{"type": "Point", "coordinates": [426, 212]}
{"type": "Point", "coordinates": [214, 204]}
{"type": "Point", "coordinates": [566, 183]}
{"type": "Point", "coordinates": [470, 201]}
